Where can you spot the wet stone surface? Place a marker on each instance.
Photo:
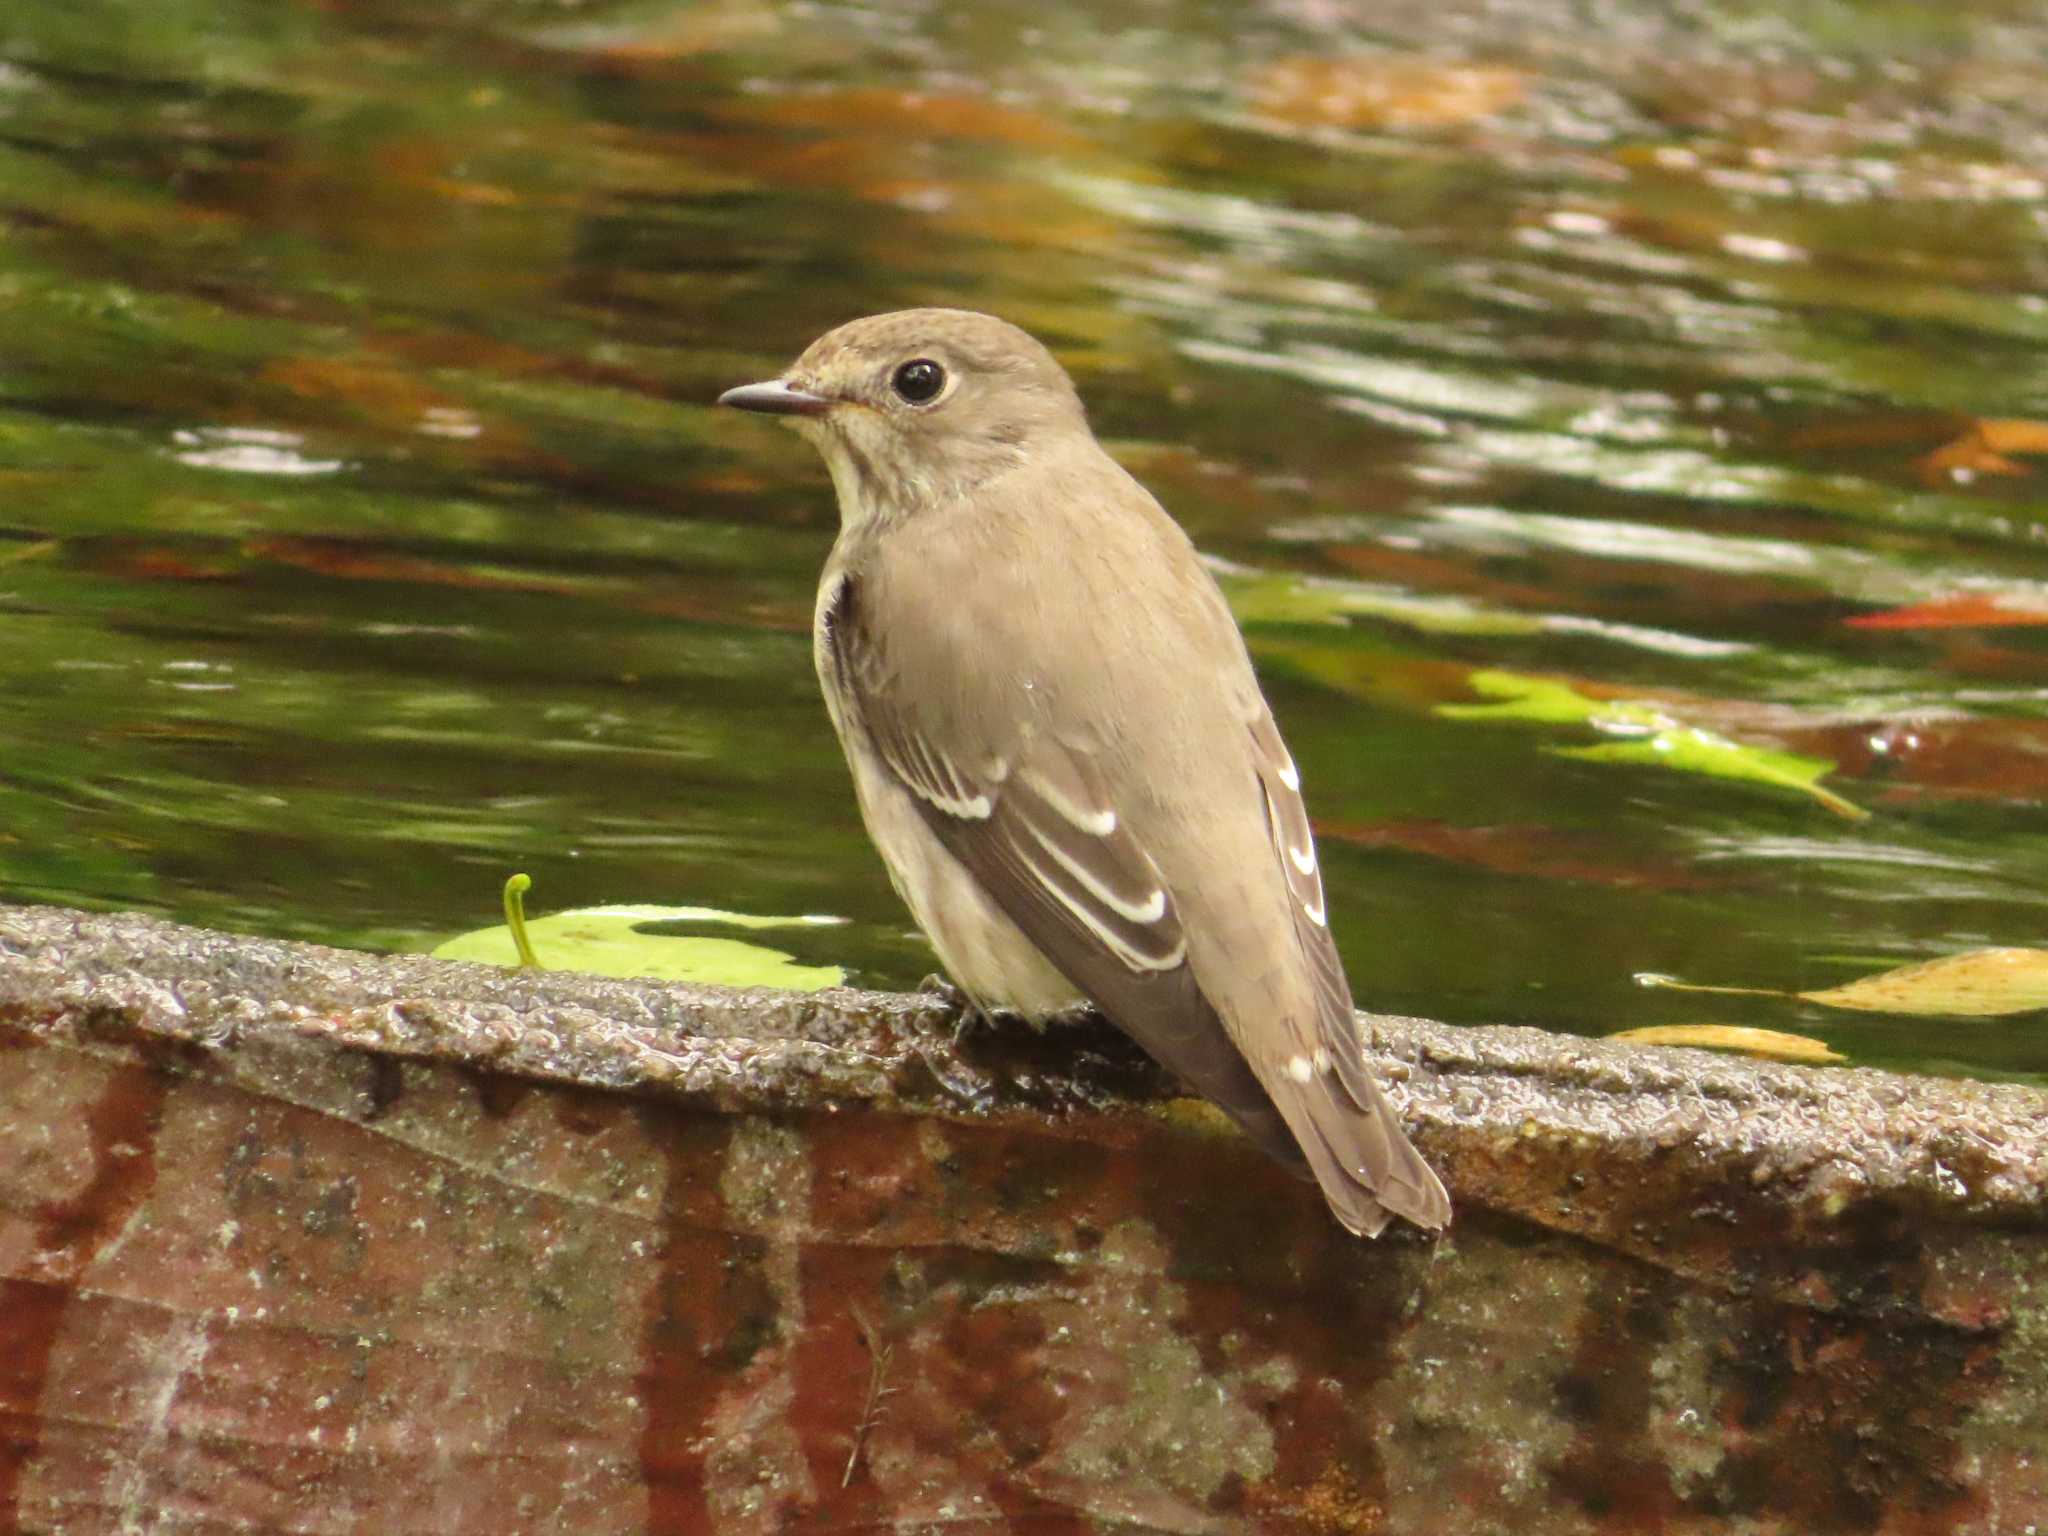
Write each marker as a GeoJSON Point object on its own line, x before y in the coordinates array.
{"type": "Point", "coordinates": [294, 1239]}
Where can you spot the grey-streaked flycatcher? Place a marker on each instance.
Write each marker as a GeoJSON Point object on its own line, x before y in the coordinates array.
{"type": "Point", "coordinates": [1059, 746]}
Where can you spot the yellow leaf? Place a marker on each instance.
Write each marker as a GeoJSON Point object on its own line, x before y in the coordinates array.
{"type": "Point", "coordinates": [1987, 449]}
{"type": "Point", "coordinates": [1979, 983]}
{"type": "Point", "coordinates": [1733, 1037]}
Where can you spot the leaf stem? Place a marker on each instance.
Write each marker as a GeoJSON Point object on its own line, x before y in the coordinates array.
{"type": "Point", "coordinates": [1673, 984]}
{"type": "Point", "coordinates": [515, 919]}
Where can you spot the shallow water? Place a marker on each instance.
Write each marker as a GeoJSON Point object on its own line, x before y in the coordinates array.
{"type": "Point", "coordinates": [368, 534]}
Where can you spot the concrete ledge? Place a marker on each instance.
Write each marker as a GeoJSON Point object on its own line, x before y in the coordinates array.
{"type": "Point", "coordinates": [293, 1239]}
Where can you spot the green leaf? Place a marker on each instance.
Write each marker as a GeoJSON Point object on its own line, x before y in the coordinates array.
{"type": "Point", "coordinates": [1692, 750]}
{"type": "Point", "coordinates": [1548, 702]}
{"type": "Point", "coordinates": [625, 941]}
{"type": "Point", "coordinates": [1655, 737]}
{"type": "Point", "coordinates": [1273, 599]}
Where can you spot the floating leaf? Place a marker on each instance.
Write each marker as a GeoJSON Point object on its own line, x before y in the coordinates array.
{"type": "Point", "coordinates": [625, 941]}
{"type": "Point", "coordinates": [1733, 1037]}
{"type": "Point", "coordinates": [1987, 449]}
{"type": "Point", "coordinates": [1979, 983]}
{"type": "Point", "coordinates": [1654, 736]}
{"type": "Point", "coordinates": [1692, 750]}
{"type": "Point", "coordinates": [1549, 702]}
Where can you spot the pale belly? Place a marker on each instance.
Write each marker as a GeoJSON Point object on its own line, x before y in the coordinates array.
{"type": "Point", "coordinates": [987, 955]}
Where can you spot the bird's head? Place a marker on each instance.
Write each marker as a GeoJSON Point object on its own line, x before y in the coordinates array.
{"type": "Point", "coordinates": [916, 407]}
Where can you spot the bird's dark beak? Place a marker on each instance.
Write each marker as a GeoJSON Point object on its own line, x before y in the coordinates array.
{"type": "Point", "coordinates": [776, 398]}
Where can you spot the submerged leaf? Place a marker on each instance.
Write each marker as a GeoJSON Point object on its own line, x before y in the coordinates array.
{"type": "Point", "coordinates": [1979, 983]}
{"type": "Point", "coordinates": [616, 941]}
{"type": "Point", "coordinates": [1692, 750]}
{"type": "Point", "coordinates": [1733, 1037]}
{"type": "Point", "coordinates": [1384, 91]}
{"type": "Point", "coordinates": [1986, 449]}
{"type": "Point", "coordinates": [1270, 599]}
{"type": "Point", "coordinates": [1538, 852]}
{"type": "Point", "coordinates": [1967, 610]}
{"type": "Point", "coordinates": [1653, 736]}
{"type": "Point", "coordinates": [1547, 701]}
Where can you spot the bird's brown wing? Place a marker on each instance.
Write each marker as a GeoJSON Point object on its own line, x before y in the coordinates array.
{"type": "Point", "coordinates": [1361, 1156]}
{"type": "Point", "coordinates": [1033, 823]}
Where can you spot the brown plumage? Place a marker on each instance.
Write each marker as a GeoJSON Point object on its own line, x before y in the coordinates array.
{"type": "Point", "coordinates": [1059, 746]}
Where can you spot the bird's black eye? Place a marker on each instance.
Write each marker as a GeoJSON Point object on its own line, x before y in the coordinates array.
{"type": "Point", "coordinates": [918, 380]}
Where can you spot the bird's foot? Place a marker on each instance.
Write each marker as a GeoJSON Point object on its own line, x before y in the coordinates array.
{"type": "Point", "coordinates": [940, 989]}
{"type": "Point", "coordinates": [969, 1013]}
{"type": "Point", "coordinates": [965, 1010]}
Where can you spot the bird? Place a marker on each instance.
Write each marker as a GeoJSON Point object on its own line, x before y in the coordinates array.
{"type": "Point", "coordinates": [1059, 746]}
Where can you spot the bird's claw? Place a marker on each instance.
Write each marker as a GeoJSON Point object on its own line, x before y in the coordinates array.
{"type": "Point", "coordinates": [967, 1012]}
{"type": "Point", "coordinates": [938, 985]}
